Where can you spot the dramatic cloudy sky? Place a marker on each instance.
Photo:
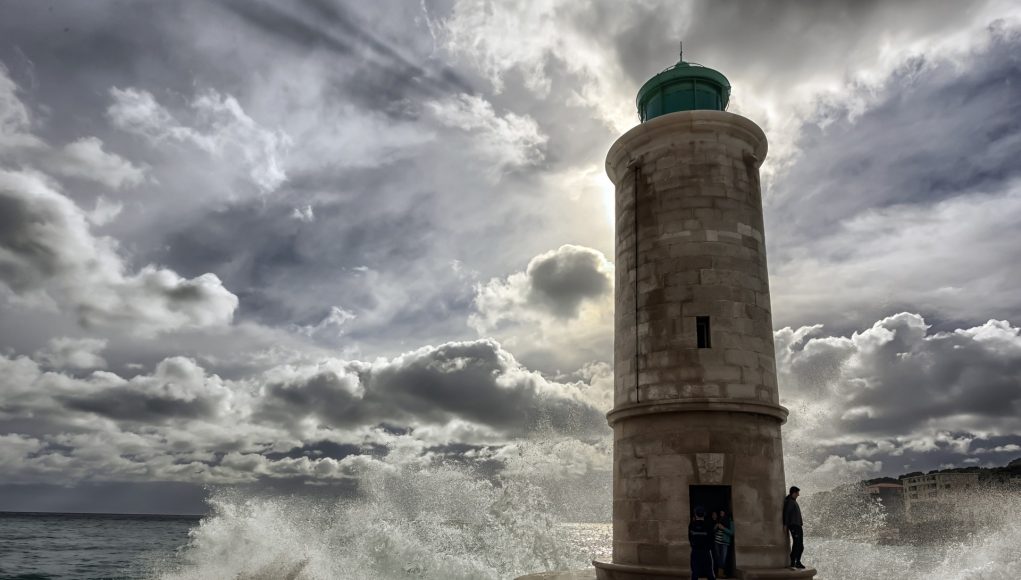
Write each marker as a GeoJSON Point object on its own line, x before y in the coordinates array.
{"type": "Point", "coordinates": [282, 243]}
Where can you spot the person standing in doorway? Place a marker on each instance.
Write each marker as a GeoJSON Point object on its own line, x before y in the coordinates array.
{"type": "Point", "coordinates": [792, 524]}
{"type": "Point", "coordinates": [700, 538]}
{"type": "Point", "coordinates": [724, 537]}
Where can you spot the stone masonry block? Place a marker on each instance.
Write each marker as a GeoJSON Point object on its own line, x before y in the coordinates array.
{"type": "Point", "coordinates": [691, 263]}
{"type": "Point", "coordinates": [741, 391]}
{"type": "Point", "coordinates": [651, 510]}
{"type": "Point", "coordinates": [625, 551]}
{"type": "Point", "coordinates": [652, 554]}
{"type": "Point", "coordinates": [641, 488]}
{"type": "Point", "coordinates": [751, 376]}
{"type": "Point", "coordinates": [693, 441]}
{"type": "Point", "coordinates": [632, 467]}
{"type": "Point", "coordinates": [677, 508]}
{"type": "Point", "coordinates": [669, 465]}
{"type": "Point", "coordinates": [658, 392]}
{"type": "Point", "coordinates": [724, 373]}
{"type": "Point", "coordinates": [627, 509]}
{"type": "Point", "coordinates": [643, 530]}
{"type": "Point", "coordinates": [645, 447]}
{"type": "Point", "coordinates": [741, 358]}
{"type": "Point", "coordinates": [679, 556]}
{"type": "Point", "coordinates": [674, 533]}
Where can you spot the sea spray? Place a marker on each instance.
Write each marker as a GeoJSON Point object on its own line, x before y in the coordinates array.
{"type": "Point", "coordinates": [435, 521]}
{"type": "Point", "coordinates": [990, 549]}
{"type": "Point", "coordinates": [846, 512]}
{"type": "Point", "coordinates": [976, 539]}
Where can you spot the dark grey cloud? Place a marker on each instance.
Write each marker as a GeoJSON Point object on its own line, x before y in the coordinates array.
{"type": "Point", "coordinates": [937, 130]}
{"type": "Point", "coordinates": [401, 290]}
{"type": "Point", "coordinates": [178, 390]}
{"type": "Point", "coordinates": [270, 257]}
{"type": "Point", "coordinates": [49, 250]}
{"type": "Point", "coordinates": [891, 208]}
{"type": "Point", "coordinates": [898, 396]}
{"type": "Point", "coordinates": [128, 404]}
{"type": "Point", "coordinates": [562, 280]}
{"type": "Point", "coordinates": [325, 449]}
{"type": "Point", "coordinates": [557, 314]}
{"type": "Point", "coordinates": [326, 420]}
{"type": "Point", "coordinates": [323, 24]}
{"type": "Point", "coordinates": [473, 381]}
{"type": "Point", "coordinates": [36, 260]}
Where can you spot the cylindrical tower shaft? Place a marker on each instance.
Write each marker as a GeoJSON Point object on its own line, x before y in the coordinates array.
{"type": "Point", "coordinates": [696, 417]}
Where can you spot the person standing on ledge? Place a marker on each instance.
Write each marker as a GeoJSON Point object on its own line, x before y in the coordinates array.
{"type": "Point", "coordinates": [792, 524]}
{"type": "Point", "coordinates": [701, 540]}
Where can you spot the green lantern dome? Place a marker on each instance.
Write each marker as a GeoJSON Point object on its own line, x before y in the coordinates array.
{"type": "Point", "coordinates": [686, 86]}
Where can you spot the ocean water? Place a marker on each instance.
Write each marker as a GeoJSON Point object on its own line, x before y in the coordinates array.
{"type": "Point", "coordinates": [435, 523]}
{"type": "Point", "coordinates": [42, 546]}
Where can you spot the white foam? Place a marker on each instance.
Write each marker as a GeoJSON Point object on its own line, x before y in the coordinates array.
{"type": "Point", "coordinates": [428, 523]}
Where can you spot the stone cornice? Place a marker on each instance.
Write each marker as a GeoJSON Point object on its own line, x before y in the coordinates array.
{"type": "Point", "coordinates": [644, 136]}
{"type": "Point", "coordinates": [697, 405]}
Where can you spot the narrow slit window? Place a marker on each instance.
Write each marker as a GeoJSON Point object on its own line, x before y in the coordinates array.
{"type": "Point", "coordinates": [702, 332]}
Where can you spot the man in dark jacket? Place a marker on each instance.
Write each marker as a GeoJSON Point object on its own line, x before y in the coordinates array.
{"type": "Point", "coordinates": [700, 536]}
{"type": "Point", "coordinates": [792, 524]}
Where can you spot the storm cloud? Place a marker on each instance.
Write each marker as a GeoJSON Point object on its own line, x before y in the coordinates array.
{"type": "Point", "coordinates": [912, 203]}
{"type": "Point", "coordinates": [48, 251]}
{"type": "Point", "coordinates": [562, 303]}
{"type": "Point", "coordinates": [183, 423]}
{"type": "Point", "coordinates": [477, 381]}
{"type": "Point", "coordinates": [901, 393]}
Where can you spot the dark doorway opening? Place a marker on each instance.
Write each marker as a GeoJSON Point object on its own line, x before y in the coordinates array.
{"type": "Point", "coordinates": [714, 498]}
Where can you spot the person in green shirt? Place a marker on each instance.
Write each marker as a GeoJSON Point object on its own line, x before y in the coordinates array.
{"type": "Point", "coordinates": [724, 537]}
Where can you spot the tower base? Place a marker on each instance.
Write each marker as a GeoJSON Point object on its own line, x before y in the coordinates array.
{"type": "Point", "coordinates": [604, 570]}
{"type": "Point", "coordinates": [611, 571]}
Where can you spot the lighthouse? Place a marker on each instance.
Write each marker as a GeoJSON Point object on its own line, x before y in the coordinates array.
{"type": "Point", "coordinates": [696, 417]}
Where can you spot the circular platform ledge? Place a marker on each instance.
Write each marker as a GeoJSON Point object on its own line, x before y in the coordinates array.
{"type": "Point", "coordinates": [651, 572]}
{"type": "Point", "coordinates": [587, 574]}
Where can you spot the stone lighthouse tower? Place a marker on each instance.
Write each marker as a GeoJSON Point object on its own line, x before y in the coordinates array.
{"type": "Point", "coordinates": [696, 417]}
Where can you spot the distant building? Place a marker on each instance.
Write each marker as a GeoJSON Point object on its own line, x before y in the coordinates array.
{"type": "Point", "coordinates": [891, 495]}
{"type": "Point", "coordinates": [933, 496]}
